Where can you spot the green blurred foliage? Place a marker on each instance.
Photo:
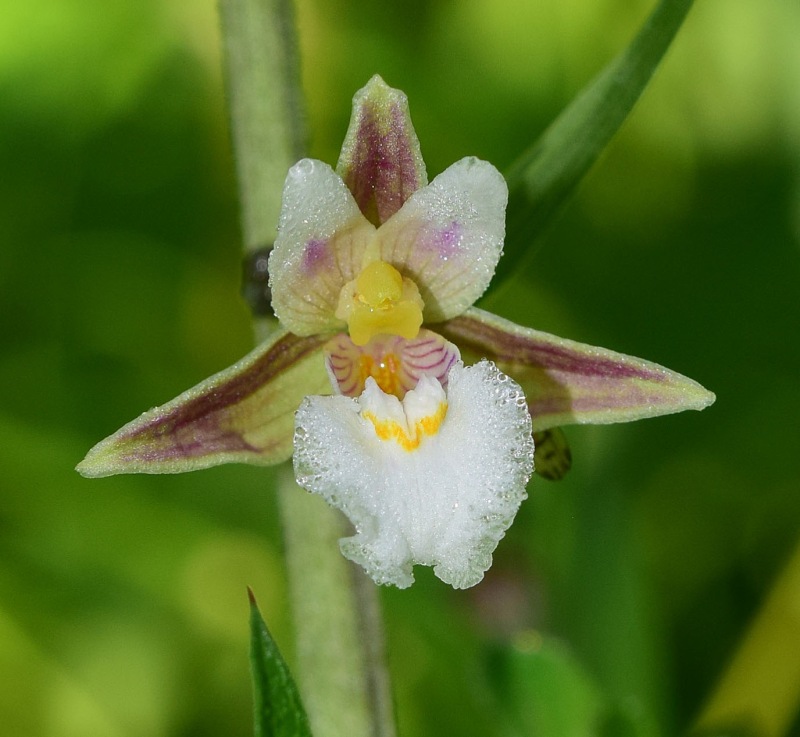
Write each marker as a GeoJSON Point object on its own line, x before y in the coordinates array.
{"type": "Point", "coordinates": [620, 593]}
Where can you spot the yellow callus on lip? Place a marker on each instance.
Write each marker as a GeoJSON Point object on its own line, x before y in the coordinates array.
{"type": "Point", "coordinates": [391, 429]}
{"type": "Point", "coordinates": [380, 300]}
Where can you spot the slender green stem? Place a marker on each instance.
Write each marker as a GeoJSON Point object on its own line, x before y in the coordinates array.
{"type": "Point", "coordinates": [265, 107]}
{"type": "Point", "coordinates": [340, 664]}
{"type": "Point", "coordinates": [339, 652]}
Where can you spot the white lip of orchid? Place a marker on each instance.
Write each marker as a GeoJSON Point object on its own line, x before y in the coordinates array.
{"type": "Point", "coordinates": [434, 479]}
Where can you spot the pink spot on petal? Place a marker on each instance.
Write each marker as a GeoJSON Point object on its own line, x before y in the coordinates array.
{"type": "Point", "coordinates": [447, 241]}
{"type": "Point", "coordinates": [317, 256]}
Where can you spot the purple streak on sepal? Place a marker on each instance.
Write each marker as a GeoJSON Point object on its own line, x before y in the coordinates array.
{"type": "Point", "coordinates": [567, 382]}
{"type": "Point", "coordinates": [242, 414]}
{"type": "Point", "coordinates": [381, 161]}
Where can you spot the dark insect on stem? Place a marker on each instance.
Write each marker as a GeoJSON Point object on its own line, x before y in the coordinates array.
{"type": "Point", "coordinates": [255, 282]}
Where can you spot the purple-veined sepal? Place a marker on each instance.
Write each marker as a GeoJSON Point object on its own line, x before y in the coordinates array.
{"type": "Point", "coordinates": [244, 414]}
{"type": "Point", "coordinates": [566, 382]}
{"type": "Point", "coordinates": [381, 162]}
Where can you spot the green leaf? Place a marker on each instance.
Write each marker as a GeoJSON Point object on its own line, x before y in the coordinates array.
{"type": "Point", "coordinates": [544, 690]}
{"type": "Point", "coordinates": [544, 177]}
{"type": "Point", "coordinates": [279, 711]}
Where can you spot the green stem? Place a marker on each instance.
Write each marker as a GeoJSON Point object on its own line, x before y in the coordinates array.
{"type": "Point", "coordinates": [265, 108]}
{"type": "Point", "coordinates": [341, 670]}
{"type": "Point", "coordinates": [339, 651]}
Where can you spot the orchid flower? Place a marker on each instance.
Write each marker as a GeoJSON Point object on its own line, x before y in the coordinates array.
{"type": "Point", "coordinates": [427, 444]}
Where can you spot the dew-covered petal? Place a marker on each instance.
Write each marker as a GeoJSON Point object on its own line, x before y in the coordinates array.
{"type": "Point", "coordinates": [320, 247]}
{"type": "Point", "coordinates": [244, 414]}
{"type": "Point", "coordinates": [381, 161]}
{"type": "Point", "coordinates": [433, 480]}
{"type": "Point", "coordinates": [567, 382]}
{"type": "Point", "coordinates": [395, 363]}
{"type": "Point", "coordinates": [448, 236]}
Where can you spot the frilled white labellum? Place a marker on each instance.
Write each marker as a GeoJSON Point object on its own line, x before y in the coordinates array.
{"type": "Point", "coordinates": [435, 479]}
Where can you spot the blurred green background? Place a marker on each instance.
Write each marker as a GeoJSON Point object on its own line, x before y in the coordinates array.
{"type": "Point", "coordinates": [621, 593]}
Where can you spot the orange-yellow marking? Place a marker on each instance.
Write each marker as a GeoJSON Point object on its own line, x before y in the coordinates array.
{"type": "Point", "coordinates": [424, 427]}
{"type": "Point", "coordinates": [385, 372]}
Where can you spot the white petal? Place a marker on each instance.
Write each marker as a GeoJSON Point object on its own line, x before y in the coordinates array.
{"type": "Point", "coordinates": [448, 236]}
{"type": "Point", "coordinates": [444, 502]}
{"type": "Point", "coordinates": [320, 247]}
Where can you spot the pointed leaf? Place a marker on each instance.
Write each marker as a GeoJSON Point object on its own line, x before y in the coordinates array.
{"type": "Point", "coordinates": [279, 711]}
{"type": "Point", "coordinates": [567, 382]}
{"type": "Point", "coordinates": [381, 161]}
{"type": "Point", "coordinates": [244, 414]}
{"type": "Point", "coordinates": [544, 177]}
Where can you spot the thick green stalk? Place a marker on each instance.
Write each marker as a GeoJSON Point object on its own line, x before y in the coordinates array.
{"type": "Point", "coordinates": [340, 665]}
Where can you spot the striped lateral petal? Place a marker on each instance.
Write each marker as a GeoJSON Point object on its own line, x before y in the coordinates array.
{"type": "Point", "coordinates": [572, 383]}
{"type": "Point", "coordinates": [244, 414]}
{"type": "Point", "coordinates": [395, 363]}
